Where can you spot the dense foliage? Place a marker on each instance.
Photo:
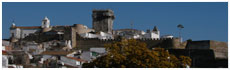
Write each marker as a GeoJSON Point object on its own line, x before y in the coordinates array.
{"type": "Point", "coordinates": [135, 54]}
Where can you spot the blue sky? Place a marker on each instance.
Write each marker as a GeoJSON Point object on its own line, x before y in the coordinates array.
{"type": "Point", "coordinates": [202, 20]}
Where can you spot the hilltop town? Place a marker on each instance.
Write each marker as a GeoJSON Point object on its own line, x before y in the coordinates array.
{"type": "Point", "coordinates": [70, 46]}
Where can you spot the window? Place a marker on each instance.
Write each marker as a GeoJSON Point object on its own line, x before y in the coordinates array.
{"type": "Point", "coordinates": [94, 54]}
{"type": "Point", "coordinates": [77, 63]}
{"type": "Point", "coordinates": [12, 34]}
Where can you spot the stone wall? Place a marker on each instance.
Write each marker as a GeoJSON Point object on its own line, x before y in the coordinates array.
{"type": "Point", "coordinates": [205, 44]}
{"type": "Point", "coordinates": [201, 58]}
{"type": "Point", "coordinates": [20, 58]}
{"type": "Point", "coordinates": [87, 43]}
{"type": "Point", "coordinates": [220, 48]}
{"type": "Point", "coordinates": [103, 20]}
{"type": "Point", "coordinates": [162, 42]}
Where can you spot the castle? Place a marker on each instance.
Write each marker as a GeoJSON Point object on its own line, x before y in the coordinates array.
{"type": "Point", "coordinates": [38, 40]}
{"type": "Point", "coordinates": [102, 31]}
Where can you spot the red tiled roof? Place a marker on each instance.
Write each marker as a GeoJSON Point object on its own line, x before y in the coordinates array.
{"type": "Point", "coordinates": [28, 27]}
{"type": "Point", "coordinates": [76, 59]}
{"type": "Point", "coordinates": [70, 66]}
{"type": "Point", "coordinates": [4, 53]}
{"type": "Point", "coordinates": [10, 66]}
{"type": "Point", "coordinates": [56, 52]}
{"type": "Point", "coordinates": [8, 48]}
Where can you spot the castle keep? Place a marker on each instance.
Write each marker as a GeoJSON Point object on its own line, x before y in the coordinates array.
{"type": "Point", "coordinates": [103, 20]}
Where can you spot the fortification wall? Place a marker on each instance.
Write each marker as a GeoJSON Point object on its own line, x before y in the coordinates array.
{"type": "Point", "coordinates": [73, 37]}
{"type": "Point", "coordinates": [79, 28]}
{"type": "Point", "coordinates": [201, 58]}
{"type": "Point", "coordinates": [87, 43]}
{"type": "Point", "coordinates": [205, 44]}
{"type": "Point", "coordinates": [220, 48]}
{"type": "Point", "coordinates": [162, 42]}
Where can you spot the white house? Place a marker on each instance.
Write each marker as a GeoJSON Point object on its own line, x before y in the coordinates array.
{"type": "Point", "coordinates": [4, 59]}
{"type": "Point", "coordinates": [97, 52]}
{"type": "Point", "coordinates": [71, 61]}
{"type": "Point", "coordinates": [104, 35]}
{"type": "Point", "coordinates": [155, 33]}
{"type": "Point", "coordinates": [55, 54]}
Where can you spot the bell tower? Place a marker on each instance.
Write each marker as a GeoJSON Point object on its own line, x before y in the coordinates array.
{"type": "Point", "coordinates": [45, 22]}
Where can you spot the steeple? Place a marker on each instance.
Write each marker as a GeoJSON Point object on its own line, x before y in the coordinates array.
{"type": "Point", "coordinates": [155, 28]}
{"type": "Point", "coordinates": [13, 25]}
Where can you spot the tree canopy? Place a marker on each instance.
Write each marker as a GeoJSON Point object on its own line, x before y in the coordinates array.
{"type": "Point", "coordinates": [134, 54]}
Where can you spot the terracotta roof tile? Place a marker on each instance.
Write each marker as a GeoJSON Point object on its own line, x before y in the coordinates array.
{"type": "Point", "coordinates": [56, 52]}
{"type": "Point", "coordinates": [70, 66]}
{"type": "Point", "coordinates": [4, 53]}
{"type": "Point", "coordinates": [76, 59]}
{"type": "Point", "coordinates": [28, 27]}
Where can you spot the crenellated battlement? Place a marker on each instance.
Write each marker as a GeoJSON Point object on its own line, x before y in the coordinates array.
{"type": "Point", "coordinates": [155, 39]}
{"type": "Point", "coordinates": [86, 43]}
{"type": "Point", "coordinates": [143, 39]}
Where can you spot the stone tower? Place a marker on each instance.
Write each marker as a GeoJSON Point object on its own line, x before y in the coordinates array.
{"type": "Point", "coordinates": [103, 20]}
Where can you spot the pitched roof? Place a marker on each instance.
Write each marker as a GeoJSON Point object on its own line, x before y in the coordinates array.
{"type": "Point", "coordinates": [76, 59]}
{"type": "Point", "coordinates": [27, 27]}
{"type": "Point", "coordinates": [56, 52]}
{"type": "Point", "coordinates": [4, 53]}
{"type": "Point", "coordinates": [155, 28]}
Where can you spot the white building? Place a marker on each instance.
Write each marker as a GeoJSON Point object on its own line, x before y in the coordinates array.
{"type": "Point", "coordinates": [101, 35]}
{"type": "Point", "coordinates": [22, 32]}
{"type": "Point", "coordinates": [167, 36]}
{"type": "Point", "coordinates": [71, 61]}
{"type": "Point", "coordinates": [138, 34]}
{"type": "Point", "coordinates": [155, 33]}
{"type": "Point", "coordinates": [19, 32]}
{"type": "Point", "coordinates": [97, 52]}
{"type": "Point", "coordinates": [45, 22]}
{"type": "Point", "coordinates": [4, 60]}
{"type": "Point", "coordinates": [129, 33]}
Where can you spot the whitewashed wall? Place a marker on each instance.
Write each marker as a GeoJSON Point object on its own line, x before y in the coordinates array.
{"type": "Point", "coordinates": [152, 35]}
{"type": "Point", "coordinates": [26, 32]}
{"type": "Point", "coordinates": [22, 33]}
{"type": "Point", "coordinates": [155, 34]}
{"type": "Point", "coordinates": [4, 61]}
{"type": "Point", "coordinates": [70, 61]}
{"type": "Point", "coordinates": [15, 32]}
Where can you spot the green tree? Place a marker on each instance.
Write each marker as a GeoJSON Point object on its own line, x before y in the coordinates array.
{"type": "Point", "coordinates": [134, 54]}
